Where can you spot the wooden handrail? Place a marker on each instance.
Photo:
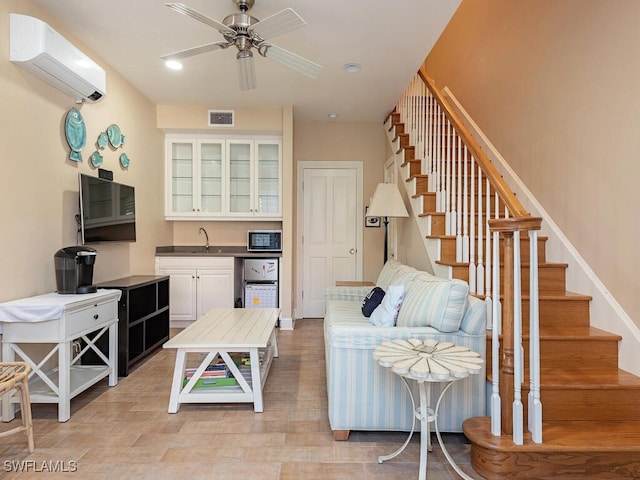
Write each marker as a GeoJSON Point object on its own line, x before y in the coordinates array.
{"type": "Point", "coordinates": [506, 195]}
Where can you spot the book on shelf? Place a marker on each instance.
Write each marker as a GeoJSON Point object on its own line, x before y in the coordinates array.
{"type": "Point", "coordinates": [212, 382]}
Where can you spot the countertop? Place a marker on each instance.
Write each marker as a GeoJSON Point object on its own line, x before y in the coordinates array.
{"type": "Point", "coordinates": [213, 251]}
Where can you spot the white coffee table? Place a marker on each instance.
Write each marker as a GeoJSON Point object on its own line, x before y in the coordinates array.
{"type": "Point", "coordinates": [217, 334]}
{"type": "Point", "coordinates": [427, 361]}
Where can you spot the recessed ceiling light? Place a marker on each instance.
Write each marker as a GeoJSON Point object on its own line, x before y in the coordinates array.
{"type": "Point", "coordinates": [173, 64]}
{"type": "Point", "coordinates": [352, 68]}
{"type": "Point", "coordinates": [333, 116]}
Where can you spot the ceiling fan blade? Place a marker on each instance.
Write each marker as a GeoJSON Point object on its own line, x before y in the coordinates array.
{"type": "Point", "coordinates": [291, 60]}
{"type": "Point", "coordinates": [201, 17]}
{"type": "Point", "coordinates": [190, 52]}
{"type": "Point", "coordinates": [246, 71]}
{"type": "Point", "coordinates": [277, 24]}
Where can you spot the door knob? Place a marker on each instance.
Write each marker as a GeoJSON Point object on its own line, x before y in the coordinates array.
{"type": "Point", "coordinates": [352, 251]}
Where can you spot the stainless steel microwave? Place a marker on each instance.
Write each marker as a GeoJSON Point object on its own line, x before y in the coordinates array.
{"type": "Point", "coordinates": [264, 240]}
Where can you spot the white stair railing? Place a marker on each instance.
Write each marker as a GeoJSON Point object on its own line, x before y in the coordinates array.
{"type": "Point", "coordinates": [487, 222]}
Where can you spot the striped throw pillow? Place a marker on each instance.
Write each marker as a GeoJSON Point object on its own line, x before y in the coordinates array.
{"type": "Point", "coordinates": [434, 303]}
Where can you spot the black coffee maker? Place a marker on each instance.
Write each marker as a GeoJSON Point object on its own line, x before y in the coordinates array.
{"type": "Point", "coordinates": [74, 269]}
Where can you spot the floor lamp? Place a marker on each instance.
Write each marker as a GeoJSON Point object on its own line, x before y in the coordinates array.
{"type": "Point", "coordinates": [386, 202]}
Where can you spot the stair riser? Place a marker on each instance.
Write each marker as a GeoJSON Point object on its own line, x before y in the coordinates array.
{"type": "Point", "coordinates": [604, 403]}
{"type": "Point", "coordinates": [448, 250]}
{"type": "Point", "coordinates": [499, 465]}
{"type": "Point", "coordinates": [574, 355]}
{"type": "Point", "coordinates": [429, 204]}
{"type": "Point", "coordinates": [551, 278]}
{"type": "Point", "coordinates": [421, 184]}
{"type": "Point", "coordinates": [572, 313]}
{"type": "Point", "coordinates": [408, 153]}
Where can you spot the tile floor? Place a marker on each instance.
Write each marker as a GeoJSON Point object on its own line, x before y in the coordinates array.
{"type": "Point", "coordinates": [125, 431]}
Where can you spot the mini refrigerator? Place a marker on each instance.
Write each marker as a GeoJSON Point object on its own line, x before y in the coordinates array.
{"type": "Point", "coordinates": [260, 282]}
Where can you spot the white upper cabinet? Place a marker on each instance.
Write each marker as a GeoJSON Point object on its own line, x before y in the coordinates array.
{"type": "Point", "coordinates": [223, 178]}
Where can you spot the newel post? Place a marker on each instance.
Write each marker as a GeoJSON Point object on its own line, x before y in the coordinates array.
{"type": "Point", "coordinates": [507, 228]}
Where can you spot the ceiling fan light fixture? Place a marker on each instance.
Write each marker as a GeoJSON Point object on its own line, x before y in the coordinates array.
{"type": "Point", "coordinates": [246, 71]}
{"type": "Point", "coordinates": [173, 64]}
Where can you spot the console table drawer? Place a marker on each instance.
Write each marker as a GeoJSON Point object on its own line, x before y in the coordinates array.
{"type": "Point", "coordinates": [88, 319]}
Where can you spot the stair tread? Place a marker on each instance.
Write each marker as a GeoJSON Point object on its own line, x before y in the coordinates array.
{"type": "Point", "coordinates": [554, 378]}
{"type": "Point", "coordinates": [561, 436]}
{"type": "Point", "coordinates": [568, 296]}
{"type": "Point", "coordinates": [561, 332]}
{"type": "Point", "coordinates": [573, 332]}
{"type": "Point", "coordinates": [522, 264]}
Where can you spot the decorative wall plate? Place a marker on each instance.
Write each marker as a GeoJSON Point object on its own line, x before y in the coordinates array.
{"type": "Point", "coordinates": [116, 138]}
{"type": "Point", "coordinates": [76, 134]}
{"type": "Point", "coordinates": [102, 140]}
{"type": "Point", "coordinates": [124, 160]}
{"type": "Point", "coordinates": [96, 159]}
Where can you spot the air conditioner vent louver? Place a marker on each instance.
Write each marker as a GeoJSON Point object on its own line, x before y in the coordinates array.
{"type": "Point", "coordinates": [221, 118]}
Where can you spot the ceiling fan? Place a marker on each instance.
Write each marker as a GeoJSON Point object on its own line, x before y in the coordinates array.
{"type": "Point", "coordinates": [248, 33]}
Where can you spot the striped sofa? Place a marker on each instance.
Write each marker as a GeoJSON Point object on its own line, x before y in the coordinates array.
{"type": "Point", "coordinates": [363, 395]}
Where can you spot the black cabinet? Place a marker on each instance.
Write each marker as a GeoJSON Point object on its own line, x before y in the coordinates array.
{"type": "Point", "coordinates": [143, 317]}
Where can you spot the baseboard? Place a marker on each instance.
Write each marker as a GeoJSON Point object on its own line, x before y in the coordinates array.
{"type": "Point", "coordinates": [287, 323]}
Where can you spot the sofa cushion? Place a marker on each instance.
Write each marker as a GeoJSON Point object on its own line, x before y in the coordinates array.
{"type": "Point", "coordinates": [434, 302]}
{"type": "Point", "coordinates": [386, 274]}
{"type": "Point", "coordinates": [474, 321]}
{"type": "Point", "coordinates": [403, 276]}
{"type": "Point", "coordinates": [386, 313]}
{"type": "Point", "coordinates": [372, 301]}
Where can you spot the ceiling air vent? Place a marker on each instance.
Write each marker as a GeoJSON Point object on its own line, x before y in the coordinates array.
{"type": "Point", "coordinates": [221, 118]}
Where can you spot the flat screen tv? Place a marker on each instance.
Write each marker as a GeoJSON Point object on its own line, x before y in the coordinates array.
{"type": "Point", "coordinates": [107, 210]}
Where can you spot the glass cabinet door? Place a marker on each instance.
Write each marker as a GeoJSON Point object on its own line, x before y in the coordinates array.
{"type": "Point", "coordinates": [239, 177]}
{"type": "Point", "coordinates": [267, 178]}
{"type": "Point", "coordinates": [182, 199]}
{"type": "Point", "coordinates": [211, 177]}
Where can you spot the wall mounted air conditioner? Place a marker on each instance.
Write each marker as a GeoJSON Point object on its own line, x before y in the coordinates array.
{"type": "Point", "coordinates": [38, 48]}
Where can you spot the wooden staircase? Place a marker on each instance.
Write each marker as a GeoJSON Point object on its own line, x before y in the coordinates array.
{"type": "Point", "coordinates": [591, 408]}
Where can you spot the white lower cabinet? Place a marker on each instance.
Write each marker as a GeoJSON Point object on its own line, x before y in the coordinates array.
{"type": "Point", "coordinates": [197, 284]}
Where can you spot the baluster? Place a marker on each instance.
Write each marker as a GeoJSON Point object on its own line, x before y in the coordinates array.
{"type": "Point", "coordinates": [496, 416]}
{"type": "Point", "coordinates": [459, 207]}
{"type": "Point", "coordinates": [534, 403]}
{"type": "Point", "coordinates": [437, 156]}
{"type": "Point", "coordinates": [488, 273]}
{"type": "Point", "coordinates": [430, 143]}
{"type": "Point", "coordinates": [472, 229]}
{"type": "Point", "coordinates": [480, 263]}
{"type": "Point", "coordinates": [518, 357]}
{"type": "Point", "coordinates": [465, 208]}
{"type": "Point", "coordinates": [448, 174]}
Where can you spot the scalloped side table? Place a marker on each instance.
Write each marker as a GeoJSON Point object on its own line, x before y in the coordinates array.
{"type": "Point", "coordinates": [427, 361]}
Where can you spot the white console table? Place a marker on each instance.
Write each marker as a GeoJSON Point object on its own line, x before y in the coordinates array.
{"type": "Point", "coordinates": [59, 320]}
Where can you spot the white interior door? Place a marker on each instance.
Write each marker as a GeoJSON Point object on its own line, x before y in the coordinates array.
{"type": "Point", "coordinates": [331, 231]}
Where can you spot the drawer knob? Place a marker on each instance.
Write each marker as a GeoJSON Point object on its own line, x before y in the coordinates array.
{"type": "Point", "coordinates": [95, 317]}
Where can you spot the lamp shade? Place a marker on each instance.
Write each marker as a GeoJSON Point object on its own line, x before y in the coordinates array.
{"type": "Point", "coordinates": [387, 202]}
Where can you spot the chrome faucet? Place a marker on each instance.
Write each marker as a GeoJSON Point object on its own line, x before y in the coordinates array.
{"type": "Point", "coordinates": [206, 245]}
